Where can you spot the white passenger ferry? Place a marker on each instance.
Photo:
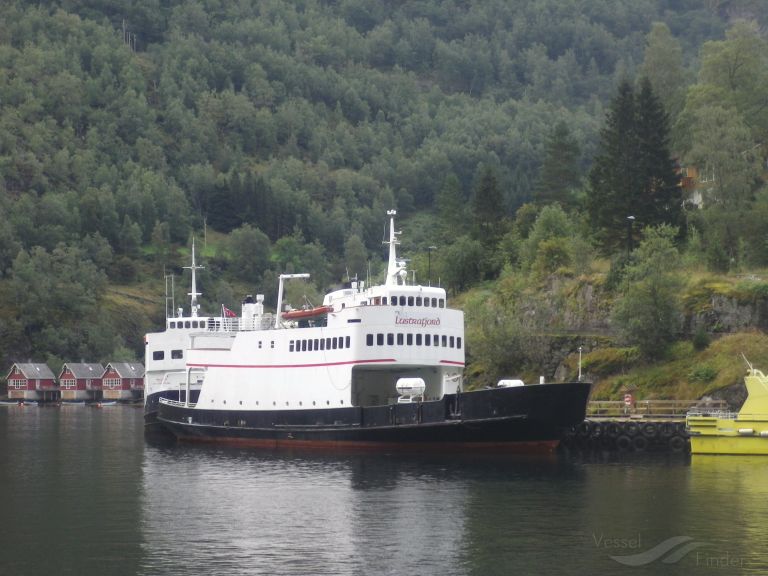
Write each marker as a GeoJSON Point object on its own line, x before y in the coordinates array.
{"type": "Point", "coordinates": [373, 367]}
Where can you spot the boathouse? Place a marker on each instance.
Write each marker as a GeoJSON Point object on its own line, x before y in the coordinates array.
{"type": "Point", "coordinates": [31, 381]}
{"type": "Point", "coordinates": [123, 381]}
{"type": "Point", "coordinates": [80, 381]}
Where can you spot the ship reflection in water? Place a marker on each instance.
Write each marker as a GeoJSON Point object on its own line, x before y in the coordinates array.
{"type": "Point", "coordinates": [84, 493]}
{"type": "Point", "coordinates": [246, 512]}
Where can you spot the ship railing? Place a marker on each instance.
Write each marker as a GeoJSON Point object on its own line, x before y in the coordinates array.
{"type": "Point", "coordinates": [722, 414]}
{"type": "Point", "coordinates": [652, 408]}
{"type": "Point", "coordinates": [239, 324]}
{"type": "Point", "coordinates": [176, 403]}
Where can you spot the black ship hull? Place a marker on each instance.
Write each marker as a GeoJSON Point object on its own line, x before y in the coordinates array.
{"type": "Point", "coordinates": [519, 419]}
{"type": "Point", "coordinates": [152, 402]}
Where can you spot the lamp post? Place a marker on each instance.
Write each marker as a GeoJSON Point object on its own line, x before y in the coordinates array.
{"type": "Point", "coordinates": [429, 264]}
{"type": "Point", "coordinates": [579, 363]}
{"type": "Point", "coordinates": [630, 221]}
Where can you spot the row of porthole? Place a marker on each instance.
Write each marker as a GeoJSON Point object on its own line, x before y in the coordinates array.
{"type": "Point", "coordinates": [274, 403]}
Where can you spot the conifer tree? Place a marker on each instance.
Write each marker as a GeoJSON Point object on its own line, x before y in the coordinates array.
{"type": "Point", "coordinates": [613, 179]}
{"type": "Point", "coordinates": [559, 173]}
{"type": "Point", "coordinates": [661, 200]}
{"type": "Point", "coordinates": [488, 208]}
{"type": "Point", "coordinates": [633, 174]}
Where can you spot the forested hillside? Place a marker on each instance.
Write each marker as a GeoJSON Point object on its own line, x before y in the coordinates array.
{"type": "Point", "coordinates": [279, 133]}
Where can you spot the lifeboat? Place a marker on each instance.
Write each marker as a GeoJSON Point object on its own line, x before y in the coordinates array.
{"type": "Point", "coordinates": [306, 313]}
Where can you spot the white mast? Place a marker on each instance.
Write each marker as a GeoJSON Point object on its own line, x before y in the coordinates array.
{"type": "Point", "coordinates": [395, 269]}
{"type": "Point", "coordinates": [194, 293]}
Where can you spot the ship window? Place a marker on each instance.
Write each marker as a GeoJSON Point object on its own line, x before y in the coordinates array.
{"type": "Point", "coordinates": [303, 345]}
{"type": "Point", "coordinates": [390, 339]}
{"type": "Point", "coordinates": [409, 339]}
{"type": "Point", "coordinates": [173, 325]}
{"type": "Point", "coordinates": [290, 346]}
{"type": "Point", "coordinates": [434, 302]}
{"type": "Point", "coordinates": [379, 339]}
{"type": "Point", "coordinates": [259, 344]}
{"type": "Point", "coordinates": [418, 300]}
{"type": "Point", "coordinates": [452, 342]}
{"type": "Point", "coordinates": [194, 323]}
{"type": "Point", "coordinates": [309, 346]}
{"type": "Point", "coordinates": [399, 339]}
{"type": "Point", "coordinates": [418, 339]}
{"type": "Point", "coordinates": [369, 339]}
{"type": "Point", "coordinates": [402, 300]}
{"type": "Point", "coordinates": [458, 341]}
{"type": "Point", "coordinates": [335, 342]}
{"type": "Point", "coordinates": [342, 402]}
{"type": "Point", "coordinates": [427, 339]}
{"type": "Point", "coordinates": [322, 343]}
{"type": "Point", "coordinates": [317, 344]}
{"type": "Point", "coordinates": [313, 402]}
{"type": "Point", "coordinates": [187, 324]}
{"type": "Point", "coordinates": [158, 355]}
{"type": "Point", "coordinates": [442, 303]}
{"type": "Point", "coordinates": [410, 300]}
{"type": "Point", "coordinates": [445, 341]}
{"type": "Point", "coordinates": [177, 354]}
{"type": "Point", "coordinates": [272, 344]}
{"type": "Point", "coordinates": [347, 341]}
{"type": "Point", "coordinates": [327, 343]}
{"type": "Point", "coordinates": [436, 340]}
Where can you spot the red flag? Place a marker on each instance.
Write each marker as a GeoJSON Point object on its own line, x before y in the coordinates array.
{"type": "Point", "coordinates": [227, 313]}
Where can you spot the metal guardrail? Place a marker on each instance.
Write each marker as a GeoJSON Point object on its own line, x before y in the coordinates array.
{"type": "Point", "coordinates": [654, 408]}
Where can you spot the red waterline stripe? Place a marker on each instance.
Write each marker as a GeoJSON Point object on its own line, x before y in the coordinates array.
{"type": "Point", "coordinates": [452, 362]}
{"type": "Point", "coordinates": [514, 447]}
{"type": "Point", "coordinates": [378, 361]}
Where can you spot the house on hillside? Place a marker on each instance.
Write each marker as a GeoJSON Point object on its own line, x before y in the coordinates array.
{"type": "Point", "coordinates": [123, 381]}
{"type": "Point", "coordinates": [31, 381]}
{"type": "Point", "coordinates": [80, 381]}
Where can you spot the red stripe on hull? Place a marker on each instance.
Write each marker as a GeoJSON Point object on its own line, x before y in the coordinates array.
{"type": "Point", "coordinates": [523, 447]}
{"type": "Point", "coordinates": [291, 365]}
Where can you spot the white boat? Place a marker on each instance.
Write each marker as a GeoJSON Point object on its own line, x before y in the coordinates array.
{"type": "Point", "coordinates": [165, 362]}
{"type": "Point", "coordinates": [382, 366]}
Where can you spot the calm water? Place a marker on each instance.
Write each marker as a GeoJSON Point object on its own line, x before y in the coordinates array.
{"type": "Point", "coordinates": [84, 493]}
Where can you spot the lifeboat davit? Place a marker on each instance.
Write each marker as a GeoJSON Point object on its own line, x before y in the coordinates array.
{"type": "Point", "coordinates": [306, 313]}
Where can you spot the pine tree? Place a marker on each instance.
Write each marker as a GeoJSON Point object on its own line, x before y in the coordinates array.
{"type": "Point", "coordinates": [661, 201]}
{"type": "Point", "coordinates": [613, 179]}
{"type": "Point", "coordinates": [560, 172]}
{"type": "Point", "coordinates": [451, 208]}
{"type": "Point", "coordinates": [488, 208]}
{"type": "Point", "coordinates": [633, 174]}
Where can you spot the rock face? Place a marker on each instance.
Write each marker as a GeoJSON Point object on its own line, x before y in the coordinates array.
{"type": "Point", "coordinates": [734, 395]}
{"type": "Point", "coordinates": [727, 314]}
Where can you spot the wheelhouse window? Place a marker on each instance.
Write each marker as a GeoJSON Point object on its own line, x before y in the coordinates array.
{"type": "Point", "coordinates": [399, 339]}
{"type": "Point", "coordinates": [158, 355]}
{"type": "Point", "coordinates": [177, 354]}
{"type": "Point", "coordinates": [458, 341]}
{"type": "Point", "coordinates": [369, 339]}
{"type": "Point", "coordinates": [379, 340]}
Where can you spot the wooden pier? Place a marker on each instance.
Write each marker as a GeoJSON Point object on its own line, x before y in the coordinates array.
{"type": "Point", "coordinates": [637, 426]}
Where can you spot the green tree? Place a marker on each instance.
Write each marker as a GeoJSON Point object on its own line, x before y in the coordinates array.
{"type": "Point", "coordinates": [633, 174]}
{"type": "Point", "coordinates": [649, 312]}
{"type": "Point", "coordinates": [560, 173]}
{"type": "Point", "coordinates": [250, 252]}
{"type": "Point", "coordinates": [663, 66]}
{"type": "Point", "coordinates": [488, 207]}
{"type": "Point", "coordinates": [613, 184]}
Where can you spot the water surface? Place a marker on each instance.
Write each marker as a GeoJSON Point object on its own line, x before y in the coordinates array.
{"type": "Point", "coordinates": [85, 493]}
